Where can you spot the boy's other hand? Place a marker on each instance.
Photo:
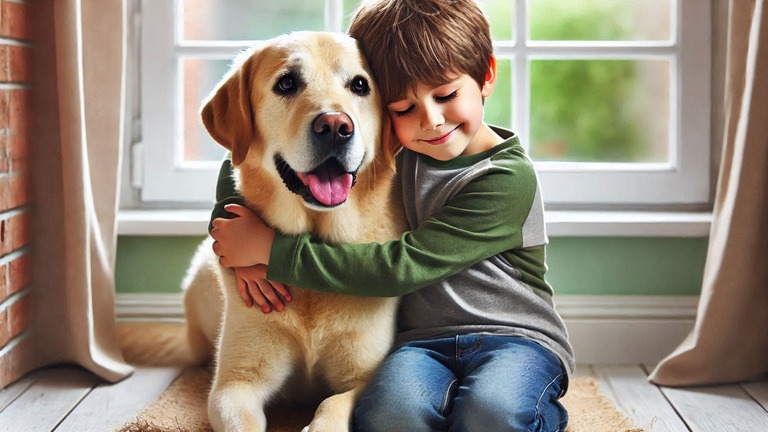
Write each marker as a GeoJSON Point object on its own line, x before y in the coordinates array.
{"type": "Point", "coordinates": [254, 288]}
{"type": "Point", "coordinates": [244, 241]}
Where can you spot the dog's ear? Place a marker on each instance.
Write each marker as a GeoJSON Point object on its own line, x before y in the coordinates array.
{"type": "Point", "coordinates": [228, 113]}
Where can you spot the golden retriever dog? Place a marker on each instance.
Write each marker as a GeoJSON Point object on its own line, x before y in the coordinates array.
{"type": "Point", "coordinates": [301, 116]}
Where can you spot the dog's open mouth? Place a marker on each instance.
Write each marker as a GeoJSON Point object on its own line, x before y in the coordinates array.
{"type": "Point", "coordinates": [327, 185]}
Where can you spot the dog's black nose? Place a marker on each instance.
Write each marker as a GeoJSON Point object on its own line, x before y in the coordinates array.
{"type": "Point", "coordinates": [333, 128]}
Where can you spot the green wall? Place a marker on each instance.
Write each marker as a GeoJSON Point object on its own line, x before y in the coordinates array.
{"type": "Point", "coordinates": [577, 265]}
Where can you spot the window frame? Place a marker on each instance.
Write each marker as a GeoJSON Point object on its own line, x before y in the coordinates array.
{"type": "Point", "coordinates": [684, 182]}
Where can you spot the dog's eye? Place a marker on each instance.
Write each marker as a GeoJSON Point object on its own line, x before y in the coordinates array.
{"type": "Point", "coordinates": [286, 84]}
{"type": "Point", "coordinates": [359, 86]}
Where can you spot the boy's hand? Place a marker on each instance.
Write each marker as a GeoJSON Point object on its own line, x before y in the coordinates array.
{"type": "Point", "coordinates": [243, 241]}
{"type": "Point", "coordinates": [254, 288]}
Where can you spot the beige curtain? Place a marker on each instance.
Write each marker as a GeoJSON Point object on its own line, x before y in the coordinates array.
{"type": "Point", "coordinates": [729, 342]}
{"type": "Point", "coordinates": [81, 86]}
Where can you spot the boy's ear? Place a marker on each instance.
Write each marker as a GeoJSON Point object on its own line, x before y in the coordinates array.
{"type": "Point", "coordinates": [490, 78]}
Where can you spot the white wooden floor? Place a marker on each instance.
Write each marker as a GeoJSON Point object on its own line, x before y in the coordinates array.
{"type": "Point", "coordinates": [69, 399]}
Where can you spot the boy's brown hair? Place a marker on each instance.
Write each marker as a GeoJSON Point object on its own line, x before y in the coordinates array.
{"type": "Point", "coordinates": [427, 41]}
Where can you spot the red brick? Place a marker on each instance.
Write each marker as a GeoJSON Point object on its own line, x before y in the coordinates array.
{"type": "Point", "coordinates": [18, 151]}
{"type": "Point", "coordinates": [5, 192]}
{"type": "Point", "coordinates": [14, 319]}
{"type": "Point", "coordinates": [19, 273]}
{"type": "Point", "coordinates": [20, 230]}
{"type": "Point", "coordinates": [19, 190]}
{"type": "Point", "coordinates": [5, 63]}
{"type": "Point", "coordinates": [15, 20]}
{"type": "Point", "coordinates": [5, 112]}
{"type": "Point", "coordinates": [14, 362]}
{"type": "Point", "coordinates": [15, 232]}
{"type": "Point", "coordinates": [19, 64]}
{"type": "Point", "coordinates": [19, 114]}
{"type": "Point", "coordinates": [19, 315]}
{"type": "Point", "coordinates": [5, 164]}
{"type": "Point", "coordinates": [5, 285]}
{"type": "Point", "coordinates": [5, 328]}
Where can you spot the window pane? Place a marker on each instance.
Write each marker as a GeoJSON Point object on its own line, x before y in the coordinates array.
{"type": "Point", "coordinates": [600, 110]}
{"type": "Point", "coordinates": [349, 9]}
{"type": "Point", "coordinates": [249, 19]}
{"type": "Point", "coordinates": [600, 20]}
{"type": "Point", "coordinates": [498, 106]}
{"type": "Point", "coordinates": [500, 17]}
{"type": "Point", "coordinates": [200, 77]}
{"type": "Point", "coordinates": [499, 13]}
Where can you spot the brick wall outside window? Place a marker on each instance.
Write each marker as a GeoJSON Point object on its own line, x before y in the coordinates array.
{"type": "Point", "coordinates": [15, 189]}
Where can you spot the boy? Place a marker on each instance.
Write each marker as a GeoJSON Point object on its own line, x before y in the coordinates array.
{"type": "Point", "coordinates": [479, 345]}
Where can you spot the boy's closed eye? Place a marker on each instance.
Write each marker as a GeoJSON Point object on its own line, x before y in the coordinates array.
{"type": "Point", "coordinates": [401, 113]}
{"type": "Point", "coordinates": [440, 99]}
{"type": "Point", "coordinates": [448, 97]}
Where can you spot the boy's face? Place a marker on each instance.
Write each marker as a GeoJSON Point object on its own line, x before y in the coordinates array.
{"type": "Point", "coordinates": [442, 122]}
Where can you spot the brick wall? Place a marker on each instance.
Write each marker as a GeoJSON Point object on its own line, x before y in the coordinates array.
{"type": "Point", "coordinates": [15, 187]}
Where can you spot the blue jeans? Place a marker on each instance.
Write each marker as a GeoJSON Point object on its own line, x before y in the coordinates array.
{"type": "Point", "coordinates": [475, 382]}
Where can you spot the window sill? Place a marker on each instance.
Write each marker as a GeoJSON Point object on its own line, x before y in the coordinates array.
{"type": "Point", "coordinates": [559, 223]}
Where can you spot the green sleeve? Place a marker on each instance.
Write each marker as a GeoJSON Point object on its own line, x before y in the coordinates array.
{"type": "Point", "coordinates": [484, 219]}
{"type": "Point", "coordinates": [226, 192]}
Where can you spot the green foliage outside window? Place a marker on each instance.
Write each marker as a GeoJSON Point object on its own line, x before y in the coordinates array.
{"type": "Point", "coordinates": [579, 108]}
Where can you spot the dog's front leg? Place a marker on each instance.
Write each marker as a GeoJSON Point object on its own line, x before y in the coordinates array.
{"type": "Point", "coordinates": [233, 408]}
{"type": "Point", "coordinates": [334, 414]}
{"type": "Point", "coordinates": [252, 363]}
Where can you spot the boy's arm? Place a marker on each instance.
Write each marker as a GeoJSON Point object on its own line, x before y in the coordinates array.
{"type": "Point", "coordinates": [226, 192]}
{"type": "Point", "coordinates": [251, 283]}
{"type": "Point", "coordinates": [484, 219]}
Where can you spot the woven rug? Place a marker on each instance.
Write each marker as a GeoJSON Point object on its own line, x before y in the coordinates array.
{"type": "Point", "coordinates": [182, 408]}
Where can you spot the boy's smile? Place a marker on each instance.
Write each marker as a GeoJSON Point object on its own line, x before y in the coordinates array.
{"type": "Point", "coordinates": [442, 139]}
{"type": "Point", "coordinates": [445, 121]}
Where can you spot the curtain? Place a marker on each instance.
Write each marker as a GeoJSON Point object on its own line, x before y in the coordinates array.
{"type": "Point", "coordinates": [80, 82]}
{"type": "Point", "coordinates": [729, 342]}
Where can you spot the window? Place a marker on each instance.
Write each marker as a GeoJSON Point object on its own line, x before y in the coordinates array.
{"type": "Point", "coordinates": [610, 97]}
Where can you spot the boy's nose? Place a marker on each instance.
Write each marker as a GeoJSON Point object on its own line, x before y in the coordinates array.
{"type": "Point", "coordinates": [431, 118]}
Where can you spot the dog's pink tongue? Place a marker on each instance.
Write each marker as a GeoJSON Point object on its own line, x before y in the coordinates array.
{"type": "Point", "coordinates": [328, 184]}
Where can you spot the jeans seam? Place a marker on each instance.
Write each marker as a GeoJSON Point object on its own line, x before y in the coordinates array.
{"type": "Point", "coordinates": [447, 397]}
{"type": "Point", "coordinates": [543, 392]}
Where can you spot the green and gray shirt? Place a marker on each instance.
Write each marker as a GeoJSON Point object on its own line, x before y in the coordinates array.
{"type": "Point", "coordinates": [473, 262]}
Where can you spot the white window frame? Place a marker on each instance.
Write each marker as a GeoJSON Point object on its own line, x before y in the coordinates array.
{"type": "Point", "coordinates": [682, 183]}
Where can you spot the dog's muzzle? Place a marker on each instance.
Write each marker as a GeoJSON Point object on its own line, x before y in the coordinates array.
{"type": "Point", "coordinates": [328, 184]}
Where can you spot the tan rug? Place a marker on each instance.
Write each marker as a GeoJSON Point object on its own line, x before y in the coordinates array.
{"type": "Point", "coordinates": [182, 408]}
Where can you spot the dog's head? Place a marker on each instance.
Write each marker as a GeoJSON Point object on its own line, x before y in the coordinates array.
{"type": "Point", "coordinates": [302, 107]}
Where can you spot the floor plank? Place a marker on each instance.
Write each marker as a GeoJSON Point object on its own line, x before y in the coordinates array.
{"type": "Point", "coordinates": [759, 391]}
{"type": "Point", "coordinates": [628, 388]}
{"type": "Point", "coordinates": [726, 408]}
{"type": "Point", "coordinates": [109, 406]}
{"type": "Point", "coordinates": [45, 403]}
{"type": "Point", "coordinates": [71, 399]}
{"type": "Point", "coordinates": [13, 391]}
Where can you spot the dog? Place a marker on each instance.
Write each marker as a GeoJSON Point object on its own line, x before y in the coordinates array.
{"type": "Point", "coordinates": [299, 105]}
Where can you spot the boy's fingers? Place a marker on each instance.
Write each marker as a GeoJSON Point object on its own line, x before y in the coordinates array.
{"type": "Point", "coordinates": [235, 209]}
{"type": "Point", "coordinates": [269, 292]}
{"type": "Point", "coordinates": [259, 298]}
{"type": "Point", "coordinates": [282, 290]}
{"type": "Point", "coordinates": [242, 287]}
